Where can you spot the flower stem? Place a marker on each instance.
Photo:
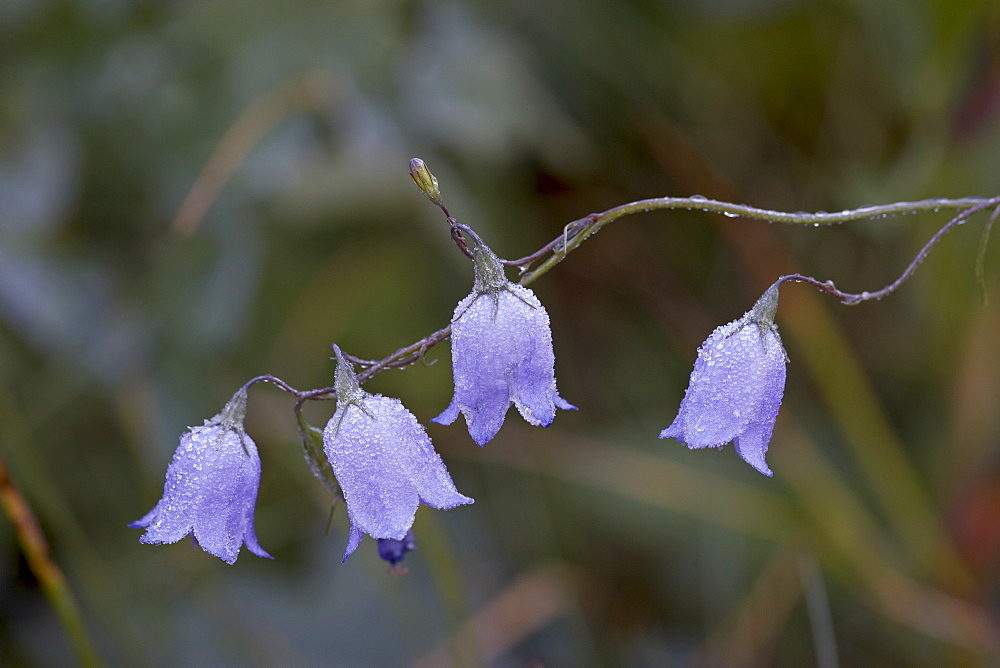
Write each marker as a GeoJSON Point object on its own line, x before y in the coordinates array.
{"type": "Point", "coordinates": [578, 231]}
{"type": "Point", "coordinates": [856, 298]}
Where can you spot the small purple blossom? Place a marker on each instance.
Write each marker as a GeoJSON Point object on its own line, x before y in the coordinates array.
{"type": "Point", "coordinates": [211, 488]}
{"type": "Point", "coordinates": [736, 386]}
{"type": "Point", "coordinates": [384, 461]}
{"type": "Point", "coordinates": [501, 354]}
{"type": "Point", "coordinates": [394, 551]}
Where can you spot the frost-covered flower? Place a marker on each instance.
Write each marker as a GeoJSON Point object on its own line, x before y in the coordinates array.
{"type": "Point", "coordinates": [384, 462]}
{"type": "Point", "coordinates": [501, 354]}
{"type": "Point", "coordinates": [211, 488]}
{"type": "Point", "coordinates": [736, 386]}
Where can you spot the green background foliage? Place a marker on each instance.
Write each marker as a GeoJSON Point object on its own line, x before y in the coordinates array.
{"type": "Point", "coordinates": [591, 542]}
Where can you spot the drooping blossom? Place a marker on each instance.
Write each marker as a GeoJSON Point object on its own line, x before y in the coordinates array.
{"type": "Point", "coordinates": [394, 551]}
{"type": "Point", "coordinates": [501, 354]}
{"type": "Point", "coordinates": [736, 386]}
{"type": "Point", "coordinates": [211, 488]}
{"type": "Point", "coordinates": [384, 461]}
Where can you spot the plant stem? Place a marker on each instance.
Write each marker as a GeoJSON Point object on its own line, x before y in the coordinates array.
{"type": "Point", "coordinates": [856, 298]}
{"type": "Point", "coordinates": [578, 231]}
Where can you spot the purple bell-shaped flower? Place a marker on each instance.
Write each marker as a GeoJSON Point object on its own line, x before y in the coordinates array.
{"type": "Point", "coordinates": [384, 461]}
{"type": "Point", "coordinates": [211, 488]}
{"type": "Point", "coordinates": [736, 386]}
{"type": "Point", "coordinates": [501, 346]}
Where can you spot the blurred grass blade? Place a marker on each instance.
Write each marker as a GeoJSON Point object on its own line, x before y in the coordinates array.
{"type": "Point", "coordinates": [981, 254]}
{"type": "Point", "coordinates": [818, 607]}
{"type": "Point", "coordinates": [523, 608]}
{"type": "Point", "coordinates": [649, 479]}
{"type": "Point", "coordinates": [48, 573]}
{"type": "Point", "coordinates": [748, 635]}
{"type": "Point", "coordinates": [856, 540]}
{"type": "Point", "coordinates": [302, 92]}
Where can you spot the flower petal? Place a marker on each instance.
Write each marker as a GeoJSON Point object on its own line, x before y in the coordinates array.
{"type": "Point", "coordinates": [448, 415]}
{"type": "Point", "coordinates": [736, 386]}
{"type": "Point", "coordinates": [385, 465]}
{"type": "Point", "coordinates": [353, 540]}
{"type": "Point", "coordinates": [751, 444]}
{"type": "Point", "coordinates": [210, 493]}
{"type": "Point", "coordinates": [502, 354]}
{"type": "Point", "coordinates": [369, 459]}
{"type": "Point", "coordinates": [725, 390]}
{"type": "Point", "coordinates": [228, 487]}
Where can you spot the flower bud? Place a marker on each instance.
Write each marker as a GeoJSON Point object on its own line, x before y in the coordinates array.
{"type": "Point", "coordinates": [422, 176]}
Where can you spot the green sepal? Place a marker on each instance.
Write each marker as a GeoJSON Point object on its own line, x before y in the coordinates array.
{"type": "Point", "coordinates": [312, 445]}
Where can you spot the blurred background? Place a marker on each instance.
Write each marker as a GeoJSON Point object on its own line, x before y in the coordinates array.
{"type": "Point", "coordinates": [195, 193]}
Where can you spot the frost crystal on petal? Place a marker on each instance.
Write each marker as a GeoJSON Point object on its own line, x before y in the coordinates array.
{"type": "Point", "coordinates": [210, 491]}
{"type": "Point", "coordinates": [384, 462]}
{"type": "Point", "coordinates": [501, 355]}
{"type": "Point", "coordinates": [736, 386]}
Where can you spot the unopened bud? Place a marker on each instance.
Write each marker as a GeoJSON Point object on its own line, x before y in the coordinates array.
{"type": "Point", "coordinates": [425, 180]}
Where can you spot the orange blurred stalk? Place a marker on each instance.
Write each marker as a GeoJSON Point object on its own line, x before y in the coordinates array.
{"type": "Point", "coordinates": [46, 571]}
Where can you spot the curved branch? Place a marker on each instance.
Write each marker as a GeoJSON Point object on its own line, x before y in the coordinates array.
{"type": "Point", "coordinates": [576, 232]}
{"type": "Point", "coordinates": [851, 299]}
{"type": "Point", "coordinates": [580, 230]}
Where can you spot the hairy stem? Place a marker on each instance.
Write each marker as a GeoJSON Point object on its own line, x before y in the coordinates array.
{"type": "Point", "coordinates": [578, 231]}
{"type": "Point", "coordinates": [850, 298]}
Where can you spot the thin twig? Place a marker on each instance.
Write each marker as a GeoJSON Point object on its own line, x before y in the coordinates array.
{"type": "Point", "coordinates": [568, 231]}
{"type": "Point", "coordinates": [586, 227]}
{"type": "Point", "coordinates": [850, 298]}
{"type": "Point", "coordinates": [576, 232]}
{"type": "Point", "coordinates": [274, 380]}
